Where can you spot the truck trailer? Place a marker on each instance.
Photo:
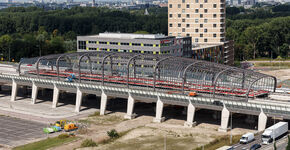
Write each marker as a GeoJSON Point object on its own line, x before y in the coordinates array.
{"type": "Point", "coordinates": [276, 131]}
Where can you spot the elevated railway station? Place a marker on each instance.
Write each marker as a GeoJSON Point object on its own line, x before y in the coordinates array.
{"type": "Point", "coordinates": [151, 78]}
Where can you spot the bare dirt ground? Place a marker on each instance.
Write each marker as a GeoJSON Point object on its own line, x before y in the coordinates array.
{"type": "Point", "coordinates": [141, 133]}
{"type": "Point", "coordinates": [282, 74]}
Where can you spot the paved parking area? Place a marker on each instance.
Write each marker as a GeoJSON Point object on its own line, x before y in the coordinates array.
{"type": "Point", "coordinates": [15, 131]}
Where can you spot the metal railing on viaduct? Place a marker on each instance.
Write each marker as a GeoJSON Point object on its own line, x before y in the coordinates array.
{"type": "Point", "coordinates": [264, 110]}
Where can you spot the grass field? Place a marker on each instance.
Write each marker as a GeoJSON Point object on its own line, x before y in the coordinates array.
{"type": "Point", "coordinates": [45, 144]}
{"type": "Point", "coordinates": [219, 142]}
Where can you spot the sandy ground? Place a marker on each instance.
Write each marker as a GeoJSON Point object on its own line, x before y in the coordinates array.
{"type": "Point", "coordinates": [282, 74]}
{"type": "Point", "coordinates": [141, 133]}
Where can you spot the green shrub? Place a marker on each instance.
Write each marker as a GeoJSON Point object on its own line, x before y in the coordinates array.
{"type": "Point", "coordinates": [88, 143]}
{"type": "Point", "coordinates": [113, 133]}
{"type": "Point", "coordinates": [63, 136]}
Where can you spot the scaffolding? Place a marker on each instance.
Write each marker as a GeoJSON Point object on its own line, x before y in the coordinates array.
{"type": "Point", "coordinates": [149, 72]}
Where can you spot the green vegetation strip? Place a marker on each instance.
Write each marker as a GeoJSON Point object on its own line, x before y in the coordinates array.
{"type": "Point", "coordinates": [219, 142]}
{"type": "Point", "coordinates": [47, 143]}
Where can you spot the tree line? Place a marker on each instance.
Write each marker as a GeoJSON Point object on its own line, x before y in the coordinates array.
{"type": "Point", "coordinates": [32, 31]}
{"type": "Point", "coordinates": [28, 32]}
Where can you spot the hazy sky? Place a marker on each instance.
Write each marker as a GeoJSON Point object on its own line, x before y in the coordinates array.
{"type": "Point", "coordinates": [59, 0]}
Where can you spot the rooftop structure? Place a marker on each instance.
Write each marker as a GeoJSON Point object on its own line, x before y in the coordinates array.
{"type": "Point", "coordinates": [136, 43]}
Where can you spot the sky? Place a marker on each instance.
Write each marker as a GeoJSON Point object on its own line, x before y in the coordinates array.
{"type": "Point", "coordinates": [58, 0]}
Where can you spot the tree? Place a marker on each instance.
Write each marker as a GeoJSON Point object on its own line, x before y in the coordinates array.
{"type": "Point", "coordinates": [253, 35]}
{"type": "Point", "coordinates": [41, 41]}
{"type": "Point", "coordinates": [5, 46]}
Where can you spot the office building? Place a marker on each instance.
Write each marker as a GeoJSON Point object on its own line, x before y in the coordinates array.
{"type": "Point", "coordinates": [136, 43]}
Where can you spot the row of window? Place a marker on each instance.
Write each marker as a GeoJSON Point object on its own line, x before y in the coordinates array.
{"type": "Point", "coordinates": [118, 43]}
{"type": "Point", "coordinates": [197, 1]}
{"type": "Point", "coordinates": [200, 15]}
{"type": "Point", "coordinates": [129, 51]}
{"type": "Point", "coordinates": [188, 25]}
{"type": "Point", "coordinates": [196, 40]}
{"type": "Point", "coordinates": [200, 6]}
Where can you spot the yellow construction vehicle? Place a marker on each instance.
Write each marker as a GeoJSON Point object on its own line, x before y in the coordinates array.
{"type": "Point", "coordinates": [70, 127]}
{"type": "Point", "coordinates": [60, 123]}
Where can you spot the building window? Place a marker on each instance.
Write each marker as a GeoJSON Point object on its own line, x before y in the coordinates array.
{"type": "Point", "coordinates": [214, 5]}
{"type": "Point", "coordinates": [179, 5]}
{"type": "Point", "coordinates": [205, 1]}
{"type": "Point", "coordinates": [201, 15]}
{"type": "Point", "coordinates": [170, 5]}
{"type": "Point", "coordinates": [179, 15]}
{"type": "Point", "coordinates": [179, 25]}
{"type": "Point", "coordinates": [125, 44]}
{"type": "Point", "coordinates": [187, 34]}
{"type": "Point", "coordinates": [196, 30]}
{"type": "Point", "coordinates": [187, 6]}
{"type": "Point", "coordinates": [102, 42]}
{"type": "Point", "coordinates": [183, 29]}
{"type": "Point", "coordinates": [183, 1]}
{"type": "Point", "coordinates": [201, 35]}
{"type": "Point", "coordinates": [113, 43]}
{"type": "Point", "coordinates": [187, 15]}
{"type": "Point", "coordinates": [222, 30]}
{"type": "Point", "coordinates": [201, 5]}
{"type": "Point", "coordinates": [201, 25]}
{"type": "Point", "coordinates": [205, 10]}
{"type": "Point", "coordinates": [82, 45]}
{"type": "Point", "coordinates": [183, 20]}
{"type": "Point", "coordinates": [92, 42]}
{"type": "Point", "coordinates": [136, 44]}
{"type": "Point", "coordinates": [170, 25]}
{"type": "Point", "coordinates": [205, 40]}
{"type": "Point", "coordinates": [196, 20]}
{"type": "Point", "coordinates": [196, 40]}
{"type": "Point", "coordinates": [205, 30]}
{"type": "Point", "coordinates": [214, 15]}
{"type": "Point", "coordinates": [170, 15]}
{"type": "Point", "coordinates": [214, 35]}
{"type": "Point", "coordinates": [178, 34]}
{"type": "Point", "coordinates": [183, 10]}
{"type": "Point", "coordinates": [205, 20]}
{"type": "Point", "coordinates": [170, 34]}
{"type": "Point", "coordinates": [214, 25]}
{"type": "Point", "coordinates": [187, 25]}
{"type": "Point", "coordinates": [196, 1]}
{"type": "Point", "coordinates": [151, 45]}
{"type": "Point", "coordinates": [196, 10]}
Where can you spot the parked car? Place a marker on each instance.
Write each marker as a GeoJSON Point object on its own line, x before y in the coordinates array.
{"type": "Point", "coordinates": [255, 146]}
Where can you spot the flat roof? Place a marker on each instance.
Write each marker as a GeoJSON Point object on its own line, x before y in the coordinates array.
{"type": "Point", "coordinates": [129, 36]}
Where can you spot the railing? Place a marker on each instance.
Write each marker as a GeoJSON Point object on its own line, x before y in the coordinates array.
{"type": "Point", "coordinates": [231, 104]}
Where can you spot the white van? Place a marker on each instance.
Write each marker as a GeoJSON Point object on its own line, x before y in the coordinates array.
{"type": "Point", "coordinates": [247, 138]}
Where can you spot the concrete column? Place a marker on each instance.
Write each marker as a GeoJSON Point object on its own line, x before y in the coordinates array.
{"type": "Point", "coordinates": [55, 96]}
{"type": "Point", "coordinates": [104, 99]}
{"type": "Point", "coordinates": [34, 93]}
{"type": "Point", "coordinates": [130, 108]}
{"type": "Point", "coordinates": [190, 116]}
{"type": "Point", "coordinates": [224, 120]}
{"type": "Point", "coordinates": [159, 110]}
{"type": "Point", "coordinates": [78, 100]}
{"type": "Point", "coordinates": [262, 121]}
{"type": "Point", "coordinates": [14, 90]}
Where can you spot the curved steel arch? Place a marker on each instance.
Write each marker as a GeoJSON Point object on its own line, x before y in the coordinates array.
{"type": "Point", "coordinates": [37, 64]}
{"type": "Point", "coordinates": [128, 69]}
{"type": "Point", "coordinates": [184, 73]}
{"type": "Point", "coordinates": [249, 88]}
{"type": "Point", "coordinates": [18, 68]}
{"type": "Point", "coordinates": [216, 78]}
{"type": "Point", "coordinates": [103, 66]}
{"type": "Point", "coordinates": [79, 64]}
{"type": "Point", "coordinates": [57, 63]}
{"type": "Point", "coordinates": [155, 69]}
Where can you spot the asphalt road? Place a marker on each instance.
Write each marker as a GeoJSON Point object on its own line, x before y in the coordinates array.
{"type": "Point", "coordinates": [281, 144]}
{"type": "Point", "coordinates": [15, 131]}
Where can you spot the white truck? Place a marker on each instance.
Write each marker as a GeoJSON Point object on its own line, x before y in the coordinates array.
{"type": "Point", "coordinates": [274, 132]}
{"type": "Point", "coordinates": [247, 138]}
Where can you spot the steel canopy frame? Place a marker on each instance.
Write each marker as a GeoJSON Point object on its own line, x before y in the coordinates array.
{"type": "Point", "coordinates": [176, 72]}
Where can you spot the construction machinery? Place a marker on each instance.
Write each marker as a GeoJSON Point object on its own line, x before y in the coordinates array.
{"type": "Point", "coordinates": [61, 123]}
{"type": "Point", "coordinates": [70, 127]}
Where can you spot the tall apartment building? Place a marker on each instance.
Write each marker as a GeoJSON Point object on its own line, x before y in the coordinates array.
{"type": "Point", "coordinates": [203, 20]}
